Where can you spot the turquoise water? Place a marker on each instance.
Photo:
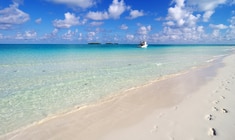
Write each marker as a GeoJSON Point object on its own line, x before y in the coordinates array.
{"type": "Point", "coordinates": [37, 81]}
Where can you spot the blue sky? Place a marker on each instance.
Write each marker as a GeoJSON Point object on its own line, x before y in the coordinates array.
{"type": "Point", "coordinates": [121, 21]}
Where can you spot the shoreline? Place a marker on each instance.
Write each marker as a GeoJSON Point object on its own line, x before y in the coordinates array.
{"type": "Point", "coordinates": [120, 111]}
{"type": "Point", "coordinates": [207, 113]}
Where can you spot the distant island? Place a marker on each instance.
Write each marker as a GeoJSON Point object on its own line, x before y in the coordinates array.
{"type": "Point", "coordinates": [109, 43]}
{"type": "Point", "coordinates": [94, 43]}
{"type": "Point", "coordinates": [97, 43]}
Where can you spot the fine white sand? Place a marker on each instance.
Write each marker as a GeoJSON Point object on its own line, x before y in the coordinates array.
{"type": "Point", "coordinates": [197, 105]}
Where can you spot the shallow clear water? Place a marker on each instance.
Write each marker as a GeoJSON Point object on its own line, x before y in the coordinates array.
{"type": "Point", "coordinates": [37, 81]}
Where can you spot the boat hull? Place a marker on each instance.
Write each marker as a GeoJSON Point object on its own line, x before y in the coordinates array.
{"type": "Point", "coordinates": [143, 46]}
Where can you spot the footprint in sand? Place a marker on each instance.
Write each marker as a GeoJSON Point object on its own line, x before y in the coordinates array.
{"type": "Point", "coordinates": [227, 89]}
{"type": "Point", "coordinates": [215, 108]}
{"type": "Point", "coordinates": [224, 110]}
{"type": "Point", "coordinates": [161, 115]}
{"type": "Point", "coordinates": [175, 107]}
{"type": "Point", "coordinates": [154, 129]}
{"type": "Point", "coordinates": [212, 132]}
{"type": "Point", "coordinates": [209, 117]}
{"type": "Point", "coordinates": [215, 102]}
{"type": "Point", "coordinates": [215, 91]}
{"type": "Point", "coordinates": [171, 138]}
{"type": "Point", "coordinates": [222, 97]}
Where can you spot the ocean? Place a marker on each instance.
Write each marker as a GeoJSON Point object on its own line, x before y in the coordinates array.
{"type": "Point", "coordinates": [39, 81]}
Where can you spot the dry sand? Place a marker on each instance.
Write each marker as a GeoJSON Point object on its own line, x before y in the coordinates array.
{"type": "Point", "coordinates": [196, 105]}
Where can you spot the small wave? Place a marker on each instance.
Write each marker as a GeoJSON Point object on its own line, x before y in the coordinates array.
{"type": "Point", "coordinates": [215, 58]}
{"type": "Point", "coordinates": [210, 60]}
{"type": "Point", "coordinates": [159, 64]}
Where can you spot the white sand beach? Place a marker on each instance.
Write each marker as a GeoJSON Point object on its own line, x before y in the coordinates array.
{"type": "Point", "coordinates": [196, 105]}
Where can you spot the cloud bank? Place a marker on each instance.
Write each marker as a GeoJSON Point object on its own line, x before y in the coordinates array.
{"type": "Point", "coordinates": [11, 16]}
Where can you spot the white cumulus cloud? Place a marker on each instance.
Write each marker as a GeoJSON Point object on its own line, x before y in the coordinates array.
{"type": "Point", "coordinates": [181, 24]}
{"type": "Point", "coordinates": [115, 10]}
{"type": "Point", "coordinates": [94, 23]}
{"type": "Point", "coordinates": [91, 36]}
{"type": "Point", "coordinates": [123, 27]}
{"type": "Point", "coordinates": [11, 16]}
{"type": "Point", "coordinates": [51, 35]}
{"type": "Point", "coordinates": [206, 6]}
{"type": "Point", "coordinates": [130, 37]}
{"type": "Point", "coordinates": [26, 35]}
{"type": "Point", "coordinates": [144, 30]}
{"type": "Point", "coordinates": [78, 3]}
{"type": "Point", "coordinates": [97, 15]}
{"type": "Point", "coordinates": [218, 26]}
{"type": "Point", "coordinates": [180, 16]}
{"type": "Point", "coordinates": [207, 15]}
{"type": "Point", "coordinates": [80, 36]}
{"type": "Point", "coordinates": [70, 20]}
{"type": "Point", "coordinates": [230, 34]}
{"type": "Point", "coordinates": [38, 21]}
{"type": "Point", "coordinates": [135, 14]}
{"type": "Point", "coordinates": [69, 35]}
{"type": "Point", "coordinates": [55, 31]}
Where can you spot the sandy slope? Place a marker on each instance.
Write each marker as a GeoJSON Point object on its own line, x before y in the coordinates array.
{"type": "Point", "coordinates": [208, 113]}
